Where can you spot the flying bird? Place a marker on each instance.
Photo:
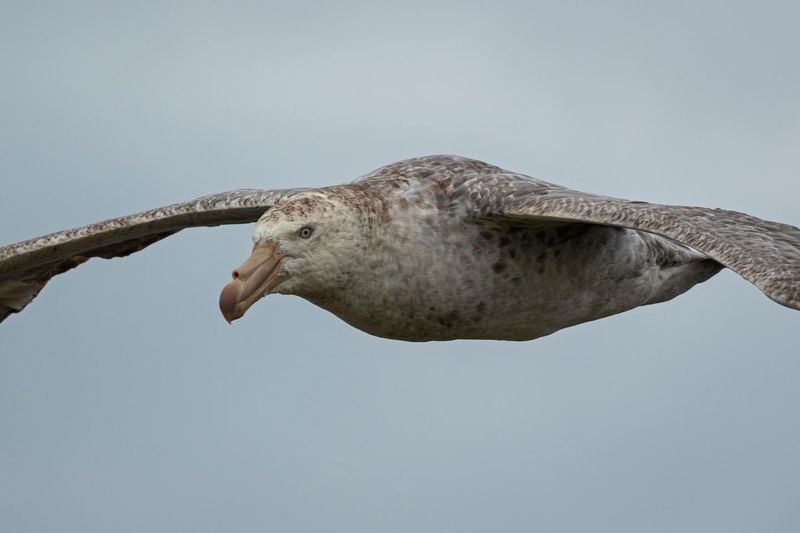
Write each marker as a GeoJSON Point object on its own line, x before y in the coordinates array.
{"type": "Point", "coordinates": [444, 247]}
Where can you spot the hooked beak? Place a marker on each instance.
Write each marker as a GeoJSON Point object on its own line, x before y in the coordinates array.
{"type": "Point", "coordinates": [254, 279]}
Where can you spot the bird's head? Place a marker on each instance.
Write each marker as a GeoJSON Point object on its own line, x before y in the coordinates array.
{"type": "Point", "coordinates": [306, 245]}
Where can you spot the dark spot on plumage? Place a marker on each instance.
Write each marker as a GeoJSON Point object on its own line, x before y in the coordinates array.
{"type": "Point", "coordinates": [443, 185]}
{"type": "Point", "coordinates": [449, 319]}
{"type": "Point", "coordinates": [540, 259]}
{"type": "Point", "coordinates": [504, 241]}
{"type": "Point", "coordinates": [481, 307]}
{"type": "Point", "coordinates": [498, 267]}
{"type": "Point", "coordinates": [486, 234]}
{"type": "Point", "coordinates": [443, 202]}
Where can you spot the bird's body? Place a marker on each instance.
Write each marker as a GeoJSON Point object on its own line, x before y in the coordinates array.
{"type": "Point", "coordinates": [538, 283]}
{"type": "Point", "coordinates": [444, 247]}
{"type": "Point", "coordinates": [428, 268]}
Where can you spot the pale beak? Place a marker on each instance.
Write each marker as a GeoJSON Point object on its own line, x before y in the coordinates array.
{"type": "Point", "coordinates": [256, 277]}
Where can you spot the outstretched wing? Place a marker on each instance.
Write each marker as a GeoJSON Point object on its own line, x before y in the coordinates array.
{"type": "Point", "coordinates": [26, 267]}
{"type": "Point", "coordinates": [763, 252]}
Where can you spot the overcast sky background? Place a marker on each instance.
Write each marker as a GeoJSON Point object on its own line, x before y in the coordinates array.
{"type": "Point", "coordinates": [128, 404]}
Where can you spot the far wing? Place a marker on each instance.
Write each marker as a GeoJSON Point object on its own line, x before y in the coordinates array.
{"type": "Point", "coordinates": [763, 252]}
{"type": "Point", "coordinates": [26, 267]}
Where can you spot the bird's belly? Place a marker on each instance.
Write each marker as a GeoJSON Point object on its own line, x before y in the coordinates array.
{"type": "Point", "coordinates": [524, 313]}
{"type": "Point", "coordinates": [515, 294]}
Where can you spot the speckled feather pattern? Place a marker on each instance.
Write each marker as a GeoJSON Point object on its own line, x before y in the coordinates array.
{"type": "Point", "coordinates": [764, 252]}
{"type": "Point", "coordinates": [449, 247]}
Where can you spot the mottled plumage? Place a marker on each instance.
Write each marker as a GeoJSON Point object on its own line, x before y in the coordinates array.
{"type": "Point", "coordinates": [444, 247]}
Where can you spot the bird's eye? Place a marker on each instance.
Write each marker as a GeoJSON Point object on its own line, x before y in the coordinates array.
{"type": "Point", "coordinates": [305, 232]}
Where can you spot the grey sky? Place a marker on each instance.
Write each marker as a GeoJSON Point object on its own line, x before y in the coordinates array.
{"type": "Point", "coordinates": [126, 402]}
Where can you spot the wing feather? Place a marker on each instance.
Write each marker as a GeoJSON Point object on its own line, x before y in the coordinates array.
{"type": "Point", "coordinates": [765, 253]}
{"type": "Point", "coordinates": [26, 267]}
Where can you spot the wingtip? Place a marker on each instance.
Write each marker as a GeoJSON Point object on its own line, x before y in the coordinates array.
{"type": "Point", "coordinates": [16, 295]}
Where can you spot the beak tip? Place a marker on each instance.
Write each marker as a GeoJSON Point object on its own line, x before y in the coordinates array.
{"type": "Point", "coordinates": [228, 300]}
{"type": "Point", "coordinates": [229, 315]}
